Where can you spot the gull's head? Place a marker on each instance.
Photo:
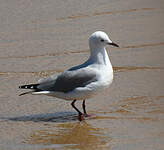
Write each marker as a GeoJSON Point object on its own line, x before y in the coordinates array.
{"type": "Point", "coordinates": [100, 39]}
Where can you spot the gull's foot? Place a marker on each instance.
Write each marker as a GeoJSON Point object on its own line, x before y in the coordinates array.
{"type": "Point", "coordinates": [81, 117]}
{"type": "Point", "coordinates": [89, 115]}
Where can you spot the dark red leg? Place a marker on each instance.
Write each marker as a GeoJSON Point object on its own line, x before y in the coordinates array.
{"type": "Point", "coordinates": [84, 110]}
{"type": "Point", "coordinates": [80, 116]}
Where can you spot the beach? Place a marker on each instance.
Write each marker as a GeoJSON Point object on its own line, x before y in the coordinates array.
{"type": "Point", "coordinates": [40, 38]}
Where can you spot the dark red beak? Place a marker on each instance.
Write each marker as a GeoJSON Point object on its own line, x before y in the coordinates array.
{"type": "Point", "coordinates": [114, 44]}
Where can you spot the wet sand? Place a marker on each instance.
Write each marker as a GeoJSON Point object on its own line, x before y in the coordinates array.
{"type": "Point", "coordinates": [39, 38]}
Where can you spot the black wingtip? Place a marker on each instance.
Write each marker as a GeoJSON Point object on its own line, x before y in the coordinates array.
{"type": "Point", "coordinates": [21, 94]}
{"type": "Point", "coordinates": [29, 92]}
{"type": "Point", "coordinates": [30, 86]}
{"type": "Point", "coordinates": [23, 87]}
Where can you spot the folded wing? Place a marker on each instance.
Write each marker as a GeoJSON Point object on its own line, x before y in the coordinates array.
{"type": "Point", "coordinates": [69, 80]}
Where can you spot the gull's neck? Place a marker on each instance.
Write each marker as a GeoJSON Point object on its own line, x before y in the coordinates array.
{"type": "Point", "coordinates": [99, 56]}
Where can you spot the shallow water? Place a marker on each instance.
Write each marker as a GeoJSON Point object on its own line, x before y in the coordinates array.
{"type": "Point", "coordinates": [34, 39]}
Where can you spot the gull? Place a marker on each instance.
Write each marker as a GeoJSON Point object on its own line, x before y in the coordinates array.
{"type": "Point", "coordinates": [82, 81]}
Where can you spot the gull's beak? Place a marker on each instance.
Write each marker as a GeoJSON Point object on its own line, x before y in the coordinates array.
{"type": "Point", "coordinates": [113, 44]}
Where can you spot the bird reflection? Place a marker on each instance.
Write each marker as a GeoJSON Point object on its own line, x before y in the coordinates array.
{"type": "Point", "coordinates": [72, 135]}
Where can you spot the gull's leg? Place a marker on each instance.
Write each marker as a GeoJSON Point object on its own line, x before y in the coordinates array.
{"type": "Point", "coordinates": [84, 110]}
{"type": "Point", "coordinates": [80, 117]}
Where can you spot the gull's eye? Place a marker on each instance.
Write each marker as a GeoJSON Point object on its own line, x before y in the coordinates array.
{"type": "Point", "coordinates": [102, 40]}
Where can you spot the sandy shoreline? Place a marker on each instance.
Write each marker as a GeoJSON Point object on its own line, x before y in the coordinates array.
{"type": "Point", "coordinates": [35, 36]}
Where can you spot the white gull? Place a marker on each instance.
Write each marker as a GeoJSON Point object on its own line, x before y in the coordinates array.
{"type": "Point", "coordinates": [82, 81]}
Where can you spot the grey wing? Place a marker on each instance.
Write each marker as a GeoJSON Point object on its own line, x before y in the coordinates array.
{"type": "Point", "coordinates": [69, 80]}
{"type": "Point", "coordinates": [49, 79]}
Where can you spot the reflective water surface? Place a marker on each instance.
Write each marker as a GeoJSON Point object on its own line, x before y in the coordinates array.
{"type": "Point", "coordinates": [72, 136]}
